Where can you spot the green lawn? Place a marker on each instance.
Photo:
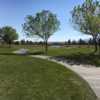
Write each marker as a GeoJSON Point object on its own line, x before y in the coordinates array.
{"type": "Point", "coordinates": [81, 55]}
{"type": "Point", "coordinates": [26, 78]}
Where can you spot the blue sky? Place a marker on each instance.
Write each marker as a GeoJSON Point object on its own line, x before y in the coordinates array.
{"type": "Point", "coordinates": [13, 13]}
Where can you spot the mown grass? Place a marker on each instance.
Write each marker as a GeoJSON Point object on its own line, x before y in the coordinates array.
{"type": "Point", "coordinates": [80, 55]}
{"type": "Point", "coordinates": [26, 78]}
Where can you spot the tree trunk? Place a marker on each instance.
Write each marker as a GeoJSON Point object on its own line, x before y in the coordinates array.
{"type": "Point", "coordinates": [46, 47]}
{"type": "Point", "coordinates": [95, 45]}
{"type": "Point", "coordinates": [9, 43]}
{"type": "Point", "coordinates": [99, 48]}
{"type": "Point", "coordinates": [99, 45]}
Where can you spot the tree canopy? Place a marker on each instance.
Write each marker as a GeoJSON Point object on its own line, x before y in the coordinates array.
{"type": "Point", "coordinates": [86, 18]}
{"type": "Point", "coordinates": [8, 34]}
{"type": "Point", "coordinates": [43, 25]}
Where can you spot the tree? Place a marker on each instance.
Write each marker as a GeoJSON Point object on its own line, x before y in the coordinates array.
{"type": "Point", "coordinates": [23, 42]}
{"type": "Point", "coordinates": [81, 42]}
{"type": "Point", "coordinates": [90, 41]}
{"type": "Point", "coordinates": [43, 25]}
{"type": "Point", "coordinates": [69, 42]}
{"type": "Point", "coordinates": [8, 34]}
{"type": "Point", "coordinates": [86, 18]}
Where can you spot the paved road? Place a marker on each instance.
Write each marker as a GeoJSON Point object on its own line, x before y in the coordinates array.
{"type": "Point", "coordinates": [90, 74]}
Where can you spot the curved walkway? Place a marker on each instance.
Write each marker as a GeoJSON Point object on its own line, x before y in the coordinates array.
{"type": "Point", "coordinates": [90, 74]}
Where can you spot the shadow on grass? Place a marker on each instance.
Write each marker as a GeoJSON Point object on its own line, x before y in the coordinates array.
{"type": "Point", "coordinates": [8, 54]}
{"type": "Point", "coordinates": [34, 53]}
{"type": "Point", "coordinates": [80, 58]}
{"type": "Point", "coordinates": [72, 59]}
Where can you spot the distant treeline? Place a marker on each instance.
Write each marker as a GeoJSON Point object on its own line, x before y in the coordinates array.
{"type": "Point", "coordinates": [69, 42]}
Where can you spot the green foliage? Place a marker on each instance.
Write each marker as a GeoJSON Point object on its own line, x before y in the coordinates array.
{"type": "Point", "coordinates": [93, 24]}
{"type": "Point", "coordinates": [86, 17]}
{"type": "Point", "coordinates": [8, 34]}
{"type": "Point", "coordinates": [43, 24]}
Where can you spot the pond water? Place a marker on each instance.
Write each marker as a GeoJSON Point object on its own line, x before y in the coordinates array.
{"type": "Point", "coordinates": [56, 46]}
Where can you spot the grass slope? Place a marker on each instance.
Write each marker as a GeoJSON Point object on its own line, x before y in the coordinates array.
{"type": "Point", "coordinates": [26, 78]}
{"type": "Point", "coordinates": [82, 55]}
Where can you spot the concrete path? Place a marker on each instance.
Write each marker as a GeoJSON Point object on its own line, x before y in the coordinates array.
{"type": "Point", "coordinates": [90, 74]}
{"type": "Point", "coordinates": [21, 51]}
